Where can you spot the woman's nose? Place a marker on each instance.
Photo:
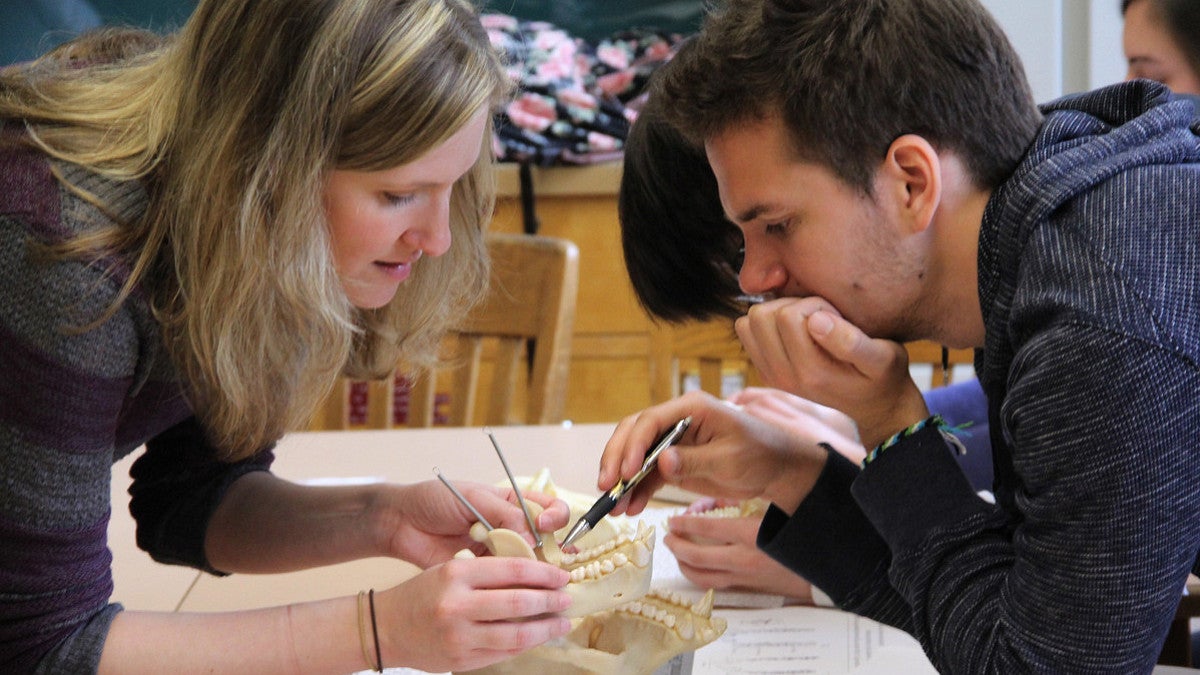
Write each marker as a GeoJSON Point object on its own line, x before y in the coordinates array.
{"type": "Point", "coordinates": [432, 234]}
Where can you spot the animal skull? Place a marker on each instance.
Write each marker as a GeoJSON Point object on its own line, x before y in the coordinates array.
{"type": "Point", "coordinates": [619, 625]}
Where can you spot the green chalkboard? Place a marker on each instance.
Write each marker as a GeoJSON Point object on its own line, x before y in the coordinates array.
{"type": "Point", "coordinates": [30, 27]}
{"type": "Point", "coordinates": [589, 19]}
{"type": "Point", "coordinates": [159, 15]}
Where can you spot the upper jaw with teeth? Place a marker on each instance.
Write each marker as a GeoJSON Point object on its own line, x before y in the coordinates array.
{"type": "Point", "coordinates": [602, 577]}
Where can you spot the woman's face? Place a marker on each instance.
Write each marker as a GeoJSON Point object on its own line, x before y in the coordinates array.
{"type": "Point", "coordinates": [382, 222]}
{"type": "Point", "coordinates": [1152, 52]}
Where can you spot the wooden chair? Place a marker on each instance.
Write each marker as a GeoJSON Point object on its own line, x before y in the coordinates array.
{"type": "Point", "coordinates": [925, 363]}
{"type": "Point", "coordinates": [709, 349]}
{"type": "Point", "coordinates": [520, 335]}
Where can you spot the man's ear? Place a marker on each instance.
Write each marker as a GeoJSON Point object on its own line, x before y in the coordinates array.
{"type": "Point", "coordinates": [912, 178]}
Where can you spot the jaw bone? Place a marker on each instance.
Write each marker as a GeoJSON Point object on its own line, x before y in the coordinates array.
{"type": "Point", "coordinates": [602, 577]}
{"type": "Point", "coordinates": [750, 508]}
{"type": "Point", "coordinates": [617, 629]}
{"type": "Point", "coordinates": [609, 526]}
{"type": "Point", "coordinates": [633, 639]}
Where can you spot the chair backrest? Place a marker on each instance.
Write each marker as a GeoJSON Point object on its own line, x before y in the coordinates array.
{"type": "Point", "coordinates": [522, 329]}
{"type": "Point", "coordinates": [709, 350]}
{"type": "Point", "coordinates": [926, 366]}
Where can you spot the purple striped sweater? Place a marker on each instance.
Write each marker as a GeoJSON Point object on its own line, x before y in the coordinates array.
{"type": "Point", "coordinates": [71, 403]}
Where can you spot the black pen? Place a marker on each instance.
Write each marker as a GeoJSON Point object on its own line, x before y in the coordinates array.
{"type": "Point", "coordinates": [609, 500]}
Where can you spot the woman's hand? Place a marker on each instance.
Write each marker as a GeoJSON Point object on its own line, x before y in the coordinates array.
{"type": "Point", "coordinates": [466, 614]}
{"type": "Point", "coordinates": [426, 524]}
{"type": "Point", "coordinates": [720, 552]}
{"type": "Point", "coordinates": [726, 452]}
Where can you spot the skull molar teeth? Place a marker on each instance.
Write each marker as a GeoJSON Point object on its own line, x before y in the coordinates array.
{"type": "Point", "coordinates": [610, 574]}
{"type": "Point", "coordinates": [600, 578]}
{"type": "Point", "coordinates": [672, 611]}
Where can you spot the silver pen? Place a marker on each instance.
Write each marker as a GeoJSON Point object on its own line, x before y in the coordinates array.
{"type": "Point", "coordinates": [605, 504]}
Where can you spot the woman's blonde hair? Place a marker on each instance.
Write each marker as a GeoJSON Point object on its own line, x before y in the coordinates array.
{"type": "Point", "coordinates": [233, 125]}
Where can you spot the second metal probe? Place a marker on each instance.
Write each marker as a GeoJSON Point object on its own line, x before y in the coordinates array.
{"type": "Point", "coordinates": [537, 537]}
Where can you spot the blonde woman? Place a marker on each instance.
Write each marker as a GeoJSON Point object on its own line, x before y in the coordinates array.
{"type": "Point", "coordinates": [197, 235]}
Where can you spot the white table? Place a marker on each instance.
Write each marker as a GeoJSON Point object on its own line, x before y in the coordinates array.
{"type": "Point", "coordinates": [571, 452]}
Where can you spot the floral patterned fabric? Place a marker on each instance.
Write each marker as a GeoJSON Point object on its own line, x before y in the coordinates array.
{"type": "Point", "coordinates": [575, 100]}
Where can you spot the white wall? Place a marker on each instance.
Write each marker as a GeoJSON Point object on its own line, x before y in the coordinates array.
{"type": "Point", "coordinates": [1066, 45]}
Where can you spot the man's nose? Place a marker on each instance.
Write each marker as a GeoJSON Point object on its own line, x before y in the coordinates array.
{"type": "Point", "coordinates": [760, 274]}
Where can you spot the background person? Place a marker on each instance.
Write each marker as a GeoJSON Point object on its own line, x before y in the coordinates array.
{"type": "Point", "coordinates": [1161, 39]}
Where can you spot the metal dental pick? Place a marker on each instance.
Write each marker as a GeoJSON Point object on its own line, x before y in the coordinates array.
{"type": "Point", "coordinates": [513, 482]}
{"type": "Point", "coordinates": [463, 499]}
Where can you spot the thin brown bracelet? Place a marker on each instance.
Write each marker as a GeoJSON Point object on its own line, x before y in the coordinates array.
{"type": "Point", "coordinates": [375, 630]}
{"type": "Point", "coordinates": [362, 629]}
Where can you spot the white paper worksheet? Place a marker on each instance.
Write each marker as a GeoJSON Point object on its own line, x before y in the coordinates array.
{"type": "Point", "coordinates": [797, 640]}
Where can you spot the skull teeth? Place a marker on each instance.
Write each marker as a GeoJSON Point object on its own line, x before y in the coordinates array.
{"type": "Point", "coordinates": [671, 610]}
{"type": "Point", "coordinates": [627, 546]}
{"type": "Point", "coordinates": [702, 607]}
{"type": "Point", "coordinates": [723, 512]}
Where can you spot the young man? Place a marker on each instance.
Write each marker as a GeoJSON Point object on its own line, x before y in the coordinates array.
{"type": "Point", "coordinates": [893, 180]}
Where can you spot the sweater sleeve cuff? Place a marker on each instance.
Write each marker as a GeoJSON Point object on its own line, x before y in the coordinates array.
{"type": "Point", "coordinates": [80, 652]}
{"type": "Point", "coordinates": [913, 488]}
{"type": "Point", "coordinates": [828, 540]}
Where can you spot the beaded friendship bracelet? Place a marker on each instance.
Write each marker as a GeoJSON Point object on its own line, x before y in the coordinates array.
{"type": "Point", "coordinates": [935, 421]}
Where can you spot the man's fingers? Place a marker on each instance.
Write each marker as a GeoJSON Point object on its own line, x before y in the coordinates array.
{"type": "Point", "coordinates": [846, 343]}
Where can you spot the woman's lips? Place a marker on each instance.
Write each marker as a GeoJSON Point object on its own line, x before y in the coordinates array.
{"type": "Point", "coordinates": [395, 271]}
{"type": "Point", "coordinates": [398, 271]}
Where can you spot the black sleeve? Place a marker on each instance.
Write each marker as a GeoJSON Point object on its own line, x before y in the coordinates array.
{"type": "Point", "coordinates": [177, 484]}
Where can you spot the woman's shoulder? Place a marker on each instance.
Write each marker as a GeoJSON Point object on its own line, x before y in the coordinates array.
{"type": "Point", "coordinates": [59, 307]}
{"type": "Point", "coordinates": [28, 189]}
{"type": "Point", "coordinates": [57, 200]}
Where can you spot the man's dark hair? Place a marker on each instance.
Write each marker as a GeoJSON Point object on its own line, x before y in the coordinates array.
{"type": "Point", "coordinates": [851, 76]}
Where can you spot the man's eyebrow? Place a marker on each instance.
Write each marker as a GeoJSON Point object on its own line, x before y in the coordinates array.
{"type": "Point", "coordinates": [751, 213]}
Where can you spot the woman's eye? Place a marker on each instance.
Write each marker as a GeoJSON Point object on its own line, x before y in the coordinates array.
{"type": "Point", "coordinates": [399, 200]}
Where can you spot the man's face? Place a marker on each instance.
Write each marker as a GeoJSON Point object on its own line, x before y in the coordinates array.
{"type": "Point", "coordinates": [807, 233]}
